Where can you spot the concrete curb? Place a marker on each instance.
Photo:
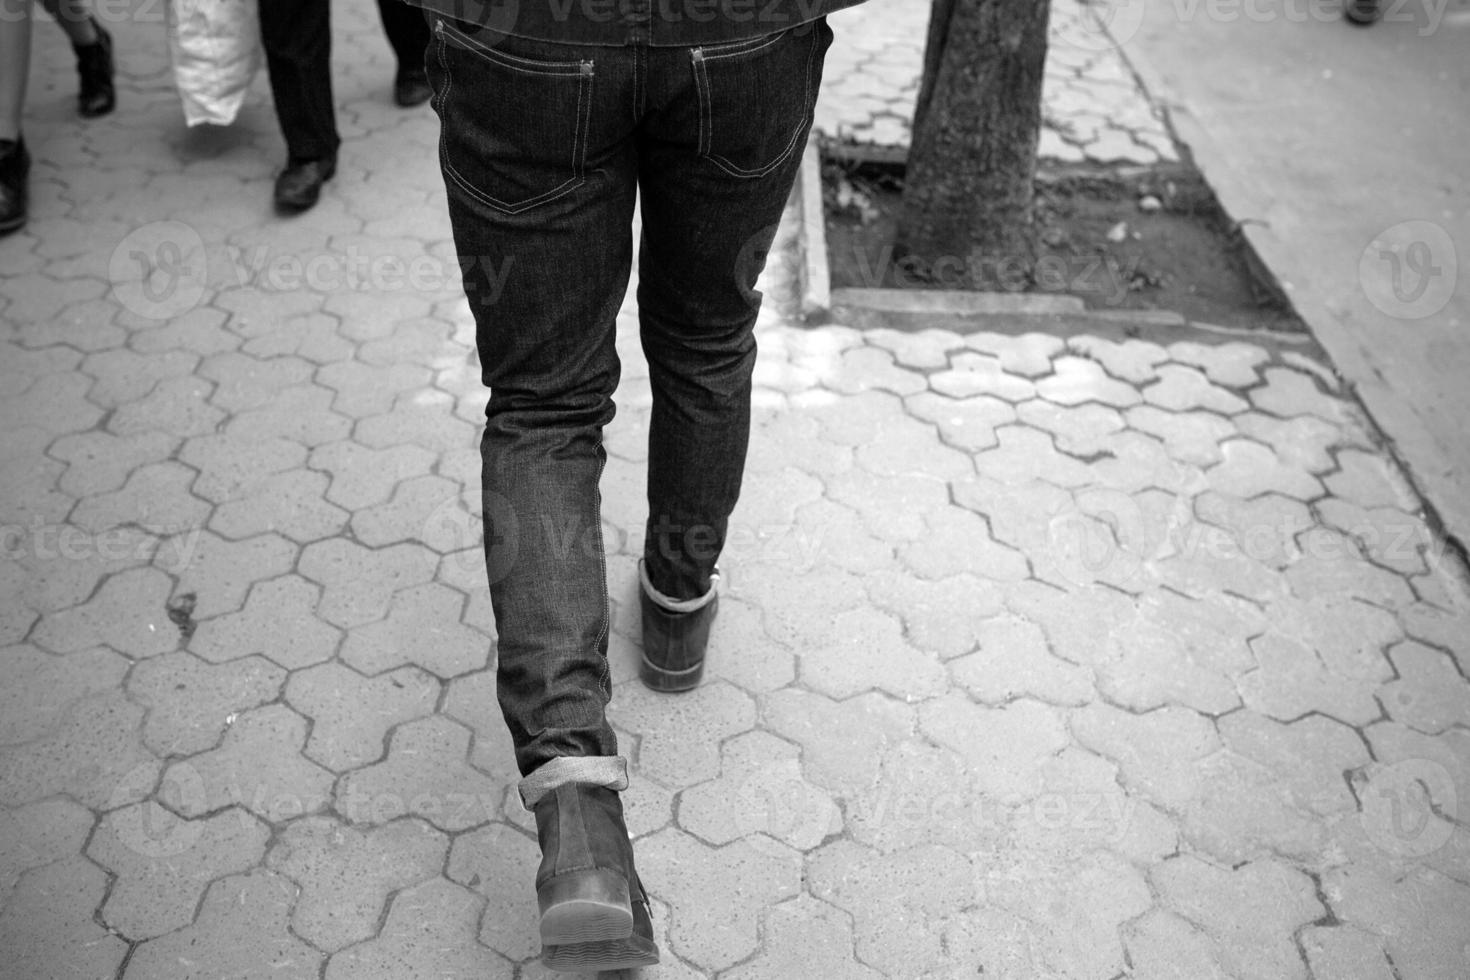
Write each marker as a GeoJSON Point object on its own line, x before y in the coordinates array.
{"type": "Point", "coordinates": [959, 302]}
{"type": "Point", "coordinates": [1048, 170]}
{"type": "Point", "coordinates": [816, 291]}
{"type": "Point", "coordinates": [892, 307]}
{"type": "Point", "coordinates": [867, 308]}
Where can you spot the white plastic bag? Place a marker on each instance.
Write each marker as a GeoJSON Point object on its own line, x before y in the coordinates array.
{"type": "Point", "coordinates": [215, 45]}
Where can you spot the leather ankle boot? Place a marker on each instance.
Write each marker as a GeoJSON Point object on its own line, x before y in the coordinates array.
{"type": "Point", "coordinates": [582, 886]}
{"type": "Point", "coordinates": [638, 950]}
{"type": "Point", "coordinates": [15, 169]}
{"type": "Point", "coordinates": [674, 644]}
{"type": "Point", "coordinates": [95, 69]}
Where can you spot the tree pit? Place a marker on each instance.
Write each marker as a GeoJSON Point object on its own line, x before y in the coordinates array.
{"type": "Point", "coordinates": [1154, 239]}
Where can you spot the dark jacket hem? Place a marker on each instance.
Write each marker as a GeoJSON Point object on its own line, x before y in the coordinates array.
{"type": "Point", "coordinates": [657, 23]}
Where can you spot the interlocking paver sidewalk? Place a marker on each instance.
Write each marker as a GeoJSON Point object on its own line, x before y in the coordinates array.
{"type": "Point", "coordinates": [1044, 656]}
{"type": "Point", "coordinates": [1094, 109]}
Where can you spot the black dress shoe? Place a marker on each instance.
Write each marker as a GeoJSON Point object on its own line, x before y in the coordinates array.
{"type": "Point", "coordinates": [674, 644]}
{"type": "Point", "coordinates": [638, 950]}
{"type": "Point", "coordinates": [1361, 12]}
{"type": "Point", "coordinates": [15, 168]}
{"type": "Point", "coordinates": [411, 87]}
{"type": "Point", "coordinates": [95, 68]}
{"type": "Point", "coordinates": [300, 185]}
{"type": "Point", "coordinates": [582, 885]}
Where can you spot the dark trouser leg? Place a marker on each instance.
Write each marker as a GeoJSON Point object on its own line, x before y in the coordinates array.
{"type": "Point", "coordinates": [541, 181]}
{"type": "Point", "coordinates": [717, 163]}
{"type": "Point", "coordinates": [541, 178]}
{"type": "Point", "coordinates": [297, 37]}
{"type": "Point", "coordinates": [407, 31]}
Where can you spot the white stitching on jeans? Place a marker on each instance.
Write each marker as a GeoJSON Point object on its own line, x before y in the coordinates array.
{"type": "Point", "coordinates": [724, 163]}
{"type": "Point", "coordinates": [584, 120]}
{"type": "Point", "coordinates": [706, 104]}
{"type": "Point", "coordinates": [722, 51]}
{"type": "Point", "coordinates": [513, 62]}
{"type": "Point", "coordinates": [578, 145]}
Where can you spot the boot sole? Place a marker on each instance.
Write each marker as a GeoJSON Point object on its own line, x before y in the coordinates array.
{"type": "Point", "coordinates": [583, 907]}
{"type": "Point", "coordinates": [657, 678]}
{"type": "Point", "coordinates": [619, 954]}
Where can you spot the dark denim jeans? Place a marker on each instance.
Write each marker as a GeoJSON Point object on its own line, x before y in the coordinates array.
{"type": "Point", "coordinates": [545, 149]}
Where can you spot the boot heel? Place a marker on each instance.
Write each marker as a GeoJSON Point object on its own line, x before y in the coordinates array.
{"type": "Point", "coordinates": [674, 644]}
{"type": "Point", "coordinates": [585, 907]}
{"type": "Point", "coordinates": [657, 678]}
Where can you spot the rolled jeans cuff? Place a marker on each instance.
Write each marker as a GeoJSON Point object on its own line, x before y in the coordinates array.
{"type": "Point", "coordinates": [677, 605]}
{"type": "Point", "coordinates": [594, 770]}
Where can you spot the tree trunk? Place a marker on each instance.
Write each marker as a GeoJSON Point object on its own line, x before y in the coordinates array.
{"type": "Point", "coordinates": [971, 174]}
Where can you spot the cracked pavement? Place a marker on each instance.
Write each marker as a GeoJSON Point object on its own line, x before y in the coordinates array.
{"type": "Point", "coordinates": [1113, 651]}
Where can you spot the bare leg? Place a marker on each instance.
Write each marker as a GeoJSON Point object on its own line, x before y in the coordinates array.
{"type": "Point", "coordinates": [93, 47]}
{"type": "Point", "coordinates": [15, 63]}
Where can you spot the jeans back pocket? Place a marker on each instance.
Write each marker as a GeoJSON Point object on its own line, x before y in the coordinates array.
{"type": "Point", "coordinates": [756, 97]}
{"type": "Point", "coordinates": [513, 128]}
